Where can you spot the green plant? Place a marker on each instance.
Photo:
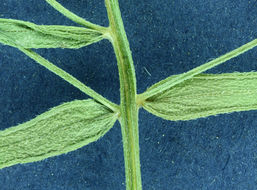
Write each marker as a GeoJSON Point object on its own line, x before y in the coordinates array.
{"type": "Point", "coordinates": [92, 119]}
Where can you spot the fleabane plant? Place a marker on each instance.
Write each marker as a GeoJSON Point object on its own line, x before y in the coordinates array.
{"type": "Point", "coordinates": [74, 124]}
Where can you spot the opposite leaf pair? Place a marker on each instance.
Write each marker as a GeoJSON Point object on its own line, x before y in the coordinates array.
{"type": "Point", "coordinates": [75, 124]}
{"type": "Point", "coordinates": [72, 125]}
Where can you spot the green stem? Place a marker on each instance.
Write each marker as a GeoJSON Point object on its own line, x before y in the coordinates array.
{"type": "Point", "coordinates": [128, 107]}
{"type": "Point", "coordinates": [70, 79]}
{"type": "Point", "coordinates": [172, 81]}
{"type": "Point", "coordinates": [74, 17]}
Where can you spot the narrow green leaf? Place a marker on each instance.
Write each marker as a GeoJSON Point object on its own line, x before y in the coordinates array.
{"type": "Point", "coordinates": [62, 129]}
{"type": "Point", "coordinates": [172, 81]}
{"type": "Point", "coordinates": [205, 95]}
{"type": "Point", "coordinates": [30, 35]}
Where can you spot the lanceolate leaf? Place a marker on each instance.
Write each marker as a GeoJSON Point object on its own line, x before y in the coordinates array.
{"type": "Point", "coordinates": [172, 81]}
{"type": "Point", "coordinates": [64, 128]}
{"type": "Point", "coordinates": [29, 35]}
{"type": "Point", "coordinates": [205, 95]}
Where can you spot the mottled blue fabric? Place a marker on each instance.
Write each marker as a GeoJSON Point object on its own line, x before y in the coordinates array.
{"type": "Point", "coordinates": [166, 37]}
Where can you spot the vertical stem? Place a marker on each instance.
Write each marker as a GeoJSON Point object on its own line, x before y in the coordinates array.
{"type": "Point", "coordinates": [128, 107]}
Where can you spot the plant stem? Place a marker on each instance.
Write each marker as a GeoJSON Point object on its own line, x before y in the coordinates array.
{"type": "Point", "coordinates": [70, 79]}
{"type": "Point", "coordinates": [74, 17]}
{"type": "Point", "coordinates": [128, 107]}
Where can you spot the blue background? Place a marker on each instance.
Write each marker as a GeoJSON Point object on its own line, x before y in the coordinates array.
{"type": "Point", "coordinates": [166, 37]}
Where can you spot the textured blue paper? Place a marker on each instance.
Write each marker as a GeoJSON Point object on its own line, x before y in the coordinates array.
{"type": "Point", "coordinates": [166, 37]}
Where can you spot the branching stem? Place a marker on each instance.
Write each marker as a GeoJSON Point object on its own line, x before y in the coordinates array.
{"type": "Point", "coordinates": [128, 107]}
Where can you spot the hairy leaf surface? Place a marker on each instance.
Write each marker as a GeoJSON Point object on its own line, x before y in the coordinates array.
{"type": "Point", "coordinates": [205, 95]}
{"type": "Point", "coordinates": [29, 35]}
{"type": "Point", "coordinates": [62, 129]}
